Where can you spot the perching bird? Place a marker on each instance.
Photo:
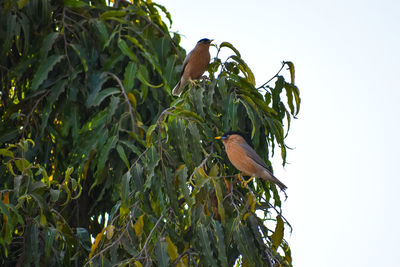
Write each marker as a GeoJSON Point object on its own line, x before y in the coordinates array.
{"type": "Point", "coordinates": [245, 159]}
{"type": "Point", "coordinates": [194, 65]}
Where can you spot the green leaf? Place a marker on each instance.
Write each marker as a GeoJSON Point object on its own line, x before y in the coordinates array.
{"type": "Point", "coordinates": [74, 3]}
{"type": "Point", "coordinates": [291, 70]}
{"type": "Point", "coordinates": [220, 244]}
{"type": "Point", "coordinates": [47, 44]}
{"type": "Point", "coordinates": [218, 193]}
{"type": "Point", "coordinates": [251, 116]}
{"type": "Point", "coordinates": [11, 28]}
{"type": "Point", "coordinates": [125, 190]}
{"type": "Point", "coordinates": [231, 112]}
{"type": "Point", "coordinates": [112, 13]}
{"type": "Point", "coordinates": [102, 32]}
{"type": "Point", "coordinates": [229, 45]}
{"type": "Point", "coordinates": [188, 114]}
{"type": "Point", "coordinates": [142, 75]}
{"type": "Point", "coordinates": [123, 46]}
{"type": "Point", "coordinates": [122, 155]}
{"type": "Point", "coordinates": [129, 76]}
{"type": "Point", "coordinates": [6, 153]}
{"type": "Point", "coordinates": [292, 91]}
{"type": "Point", "coordinates": [103, 94]}
{"type": "Point", "coordinates": [44, 68]}
{"type": "Point", "coordinates": [132, 147]}
{"type": "Point", "coordinates": [80, 52]}
{"type": "Point", "coordinates": [151, 159]}
{"type": "Point", "coordinates": [245, 69]}
{"type": "Point", "coordinates": [50, 236]}
{"type": "Point", "coordinates": [32, 244]}
{"type": "Point", "coordinates": [96, 81]}
{"type": "Point", "coordinates": [162, 253]}
{"type": "Point", "coordinates": [206, 246]}
{"type": "Point", "coordinates": [104, 152]}
{"type": "Point", "coordinates": [182, 179]}
{"type": "Point", "coordinates": [54, 195]}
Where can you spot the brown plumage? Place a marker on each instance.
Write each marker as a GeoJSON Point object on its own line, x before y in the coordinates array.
{"type": "Point", "coordinates": [195, 65]}
{"type": "Point", "coordinates": [246, 159]}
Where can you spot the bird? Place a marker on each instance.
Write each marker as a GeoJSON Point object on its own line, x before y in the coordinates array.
{"type": "Point", "coordinates": [246, 159]}
{"type": "Point", "coordinates": [194, 65]}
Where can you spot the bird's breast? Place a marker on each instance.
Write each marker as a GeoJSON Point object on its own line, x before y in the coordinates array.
{"type": "Point", "coordinates": [197, 65]}
{"type": "Point", "coordinates": [238, 157]}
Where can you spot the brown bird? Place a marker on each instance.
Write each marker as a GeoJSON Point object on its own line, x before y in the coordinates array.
{"type": "Point", "coordinates": [245, 159]}
{"type": "Point", "coordinates": [194, 65]}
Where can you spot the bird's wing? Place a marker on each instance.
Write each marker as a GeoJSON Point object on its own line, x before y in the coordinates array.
{"type": "Point", "coordinates": [254, 156]}
{"type": "Point", "coordinates": [185, 62]}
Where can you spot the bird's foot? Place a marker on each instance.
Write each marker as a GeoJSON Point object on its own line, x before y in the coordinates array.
{"type": "Point", "coordinates": [194, 82]}
{"type": "Point", "coordinates": [243, 181]}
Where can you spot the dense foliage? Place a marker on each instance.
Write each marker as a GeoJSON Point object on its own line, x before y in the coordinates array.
{"type": "Point", "coordinates": [101, 165]}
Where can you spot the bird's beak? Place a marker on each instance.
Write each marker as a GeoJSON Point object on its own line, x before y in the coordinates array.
{"type": "Point", "coordinates": [220, 137]}
{"type": "Point", "coordinates": [211, 40]}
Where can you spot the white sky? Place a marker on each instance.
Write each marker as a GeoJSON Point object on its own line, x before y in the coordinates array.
{"type": "Point", "coordinates": [343, 174]}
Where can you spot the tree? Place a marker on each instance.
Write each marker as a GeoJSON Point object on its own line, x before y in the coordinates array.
{"type": "Point", "coordinates": [101, 165]}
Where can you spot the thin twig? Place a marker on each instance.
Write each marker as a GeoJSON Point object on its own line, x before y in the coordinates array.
{"type": "Point", "coordinates": [32, 111]}
{"type": "Point", "coordinates": [162, 32]}
{"type": "Point", "coordinates": [151, 233]}
{"type": "Point", "coordinates": [131, 111]}
{"type": "Point", "coordinates": [276, 75]}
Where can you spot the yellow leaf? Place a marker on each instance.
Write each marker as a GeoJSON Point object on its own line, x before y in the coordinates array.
{"type": "Point", "coordinates": [244, 263]}
{"type": "Point", "coordinates": [180, 168]}
{"type": "Point", "coordinates": [6, 198]}
{"type": "Point", "coordinates": [206, 210]}
{"type": "Point", "coordinates": [138, 264]}
{"type": "Point", "coordinates": [96, 242]}
{"type": "Point", "coordinates": [43, 220]}
{"type": "Point", "coordinates": [202, 172]}
{"type": "Point", "coordinates": [87, 163]}
{"type": "Point", "coordinates": [252, 203]}
{"type": "Point", "coordinates": [227, 184]}
{"type": "Point", "coordinates": [110, 231]}
{"type": "Point", "coordinates": [138, 226]}
{"type": "Point", "coordinates": [173, 252]}
{"type": "Point", "coordinates": [132, 98]}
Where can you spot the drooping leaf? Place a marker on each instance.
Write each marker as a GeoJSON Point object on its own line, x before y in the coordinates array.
{"type": "Point", "coordinates": [277, 236]}
{"type": "Point", "coordinates": [44, 68]}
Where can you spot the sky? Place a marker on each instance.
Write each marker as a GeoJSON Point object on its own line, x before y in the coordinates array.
{"type": "Point", "coordinates": [343, 174]}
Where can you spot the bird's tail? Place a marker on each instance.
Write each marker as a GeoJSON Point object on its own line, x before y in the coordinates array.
{"type": "Point", "coordinates": [177, 89]}
{"type": "Point", "coordinates": [270, 177]}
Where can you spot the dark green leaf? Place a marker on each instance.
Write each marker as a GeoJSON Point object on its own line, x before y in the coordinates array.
{"type": "Point", "coordinates": [162, 253]}
{"type": "Point", "coordinates": [44, 68]}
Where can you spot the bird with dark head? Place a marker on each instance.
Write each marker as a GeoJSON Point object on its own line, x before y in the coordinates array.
{"type": "Point", "coordinates": [194, 65]}
{"type": "Point", "coordinates": [246, 159]}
